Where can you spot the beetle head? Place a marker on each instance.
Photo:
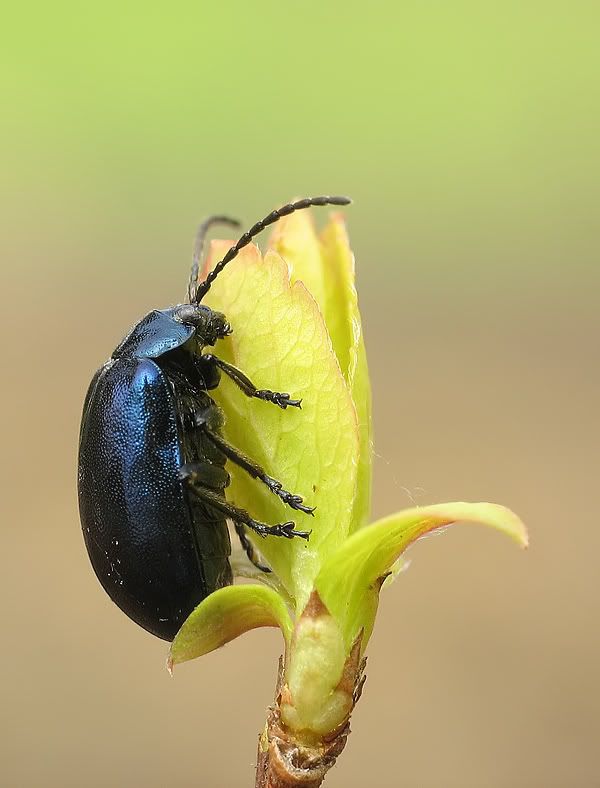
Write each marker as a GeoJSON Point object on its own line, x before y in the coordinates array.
{"type": "Point", "coordinates": [209, 325]}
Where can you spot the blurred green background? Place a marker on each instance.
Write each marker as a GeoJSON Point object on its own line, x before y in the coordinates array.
{"type": "Point", "coordinates": [467, 134]}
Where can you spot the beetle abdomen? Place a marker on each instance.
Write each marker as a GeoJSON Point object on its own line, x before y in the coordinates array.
{"type": "Point", "coordinates": [138, 526]}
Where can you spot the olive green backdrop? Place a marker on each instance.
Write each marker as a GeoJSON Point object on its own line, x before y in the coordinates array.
{"type": "Point", "coordinates": [467, 134]}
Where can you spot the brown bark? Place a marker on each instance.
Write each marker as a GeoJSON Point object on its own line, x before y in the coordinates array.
{"type": "Point", "coordinates": [283, 762]}
{"type": "Point", "coordinates": [286, 761]}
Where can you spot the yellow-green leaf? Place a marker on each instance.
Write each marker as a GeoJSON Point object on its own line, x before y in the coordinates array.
{"type": "Point", "coordinates": [280, 341]}
{"type": "Point", "coordinates": [361, 394]}
{"type": "Point", "coordinates": [343, 320]}
{"type": "Point", "coordinates": [295, 240]}
{"type": "Point", "coordinates": [350, 580]}
{"type": "Point", "coordinates": [226, 614]}
{"type": "Point", "coordinates": [326, 266]}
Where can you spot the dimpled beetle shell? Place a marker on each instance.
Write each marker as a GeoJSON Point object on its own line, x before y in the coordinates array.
{"type": "Point", "coordinates": [156, 552]}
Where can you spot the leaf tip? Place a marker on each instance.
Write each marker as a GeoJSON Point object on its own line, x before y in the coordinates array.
{"type": "Point", "coordinates": [523, 538]}
{"type": "Point", "coordinates": [513, 526]}
{"type": "Point", "coordinates": [170, 665]}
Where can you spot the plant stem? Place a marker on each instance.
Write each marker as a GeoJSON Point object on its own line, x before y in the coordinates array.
{"type": "Point", "coordinates": [283, 761]}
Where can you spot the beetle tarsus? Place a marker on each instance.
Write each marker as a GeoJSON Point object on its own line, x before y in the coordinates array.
{"type": "Point", "coordinates": [287, 530]}
{"type": "Point", "coordinates": [278, 398]}
{"type": "Point", "coordinates": [243, 382]}
{"type": "Point", "coordinates": [235, 513]}
{"type": "Point", "coordinates": [293, 501]}
{"type": "Point", "coordinates": [257, 472]}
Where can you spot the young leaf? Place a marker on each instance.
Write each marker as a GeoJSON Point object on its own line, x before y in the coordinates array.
{"type": "Point", "coordinates": [226, 614]}
{"type": "Point", "coordinates": [350, 580]}
{"type": "Point", "coordinates": [342, 301]}
{"type": "Point", "coordinates": [280, 341]}
{"type": "Point", "coordinates": [325, 265]}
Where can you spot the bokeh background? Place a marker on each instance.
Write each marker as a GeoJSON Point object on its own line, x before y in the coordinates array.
{"type": "Point", "coordinates": [467, 133]}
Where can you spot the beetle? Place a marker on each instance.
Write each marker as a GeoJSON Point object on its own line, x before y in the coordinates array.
{"type": "Point", "coordinates": [152, 456]}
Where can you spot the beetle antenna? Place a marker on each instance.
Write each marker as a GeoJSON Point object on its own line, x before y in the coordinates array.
{"type": "Point", "coordinates": [204, 286]}
{"type": "Point", "coordinates": [203, 228]}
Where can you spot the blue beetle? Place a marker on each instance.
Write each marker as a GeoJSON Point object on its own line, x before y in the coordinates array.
{"type": "Point", "coordinates": [152, 457]}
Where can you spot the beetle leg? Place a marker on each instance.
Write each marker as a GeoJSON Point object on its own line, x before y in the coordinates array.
{"type": "Point", "coordinates": [188, 474]}
{"type": "Point", "coordinates": [254, 469]}
{"type": "Point", "coordinates": [247, 386]}
{"type": "Point", "coordinates": [213, 476]}
{"type": "Point", "coordinates": [249, 547]}
{"type": "Point", "coordinates": [217, 478]}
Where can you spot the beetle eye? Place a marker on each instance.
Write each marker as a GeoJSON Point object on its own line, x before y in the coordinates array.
{"type": "Point", "coordinates": [227, 330]}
